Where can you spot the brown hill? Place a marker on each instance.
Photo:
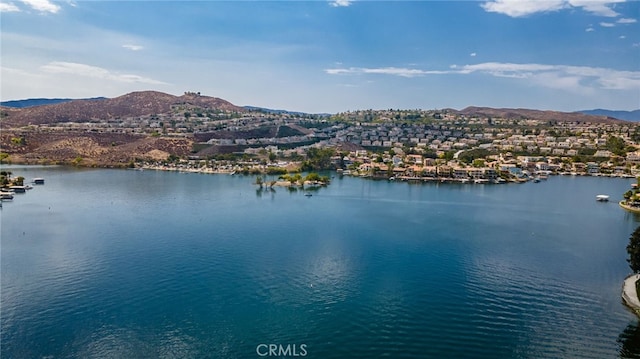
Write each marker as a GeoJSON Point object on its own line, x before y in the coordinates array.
{"type": "Point", "coordinates": [520, 113]}
{"type": "Point", "coordinates": [99, 149]}
{"type": "Point", "coordinates": [130, 105]}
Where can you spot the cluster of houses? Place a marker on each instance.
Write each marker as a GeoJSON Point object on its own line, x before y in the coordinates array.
{"type": "Point", "coordinates": [493, 169]}
{"type": "Point", "coordinates": [427, 137]}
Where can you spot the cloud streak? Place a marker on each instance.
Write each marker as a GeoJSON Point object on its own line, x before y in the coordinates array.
{"type": "Point", "coordinates": [395, 71]}
{"type": "Point", "coordinates": [42, 5]}
{"type": "Point", "coordinates": [572, 78]}
{"type": "Point", "coordinates": [133, 47]}
{"type": "Point", "coordinates": [626, 21]}
{"type": "Point", "coordinates": [83, 70]}
{"type": "Point", "coordinates": [522, 8]}
{"type": "Point", "coordinates": [340, 3]}
{"type": "Point", "coordinates": [8, 7]}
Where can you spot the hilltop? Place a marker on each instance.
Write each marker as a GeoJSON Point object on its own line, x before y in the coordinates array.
{"type": "Point", "coordinates": [134, 104]}
{"type": "Point", "coordinates": [521, 113]}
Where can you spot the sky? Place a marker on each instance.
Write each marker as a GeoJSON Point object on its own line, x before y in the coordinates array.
{"type": "Point", "coordinates": [329, 56]}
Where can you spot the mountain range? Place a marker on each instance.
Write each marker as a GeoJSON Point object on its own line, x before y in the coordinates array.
{"type": "Point", "coordinates": [621, 115]}
{"type": "Point", "coordinates": [42, 110]}
{"type": "Point", "coordinates": [42, 101]}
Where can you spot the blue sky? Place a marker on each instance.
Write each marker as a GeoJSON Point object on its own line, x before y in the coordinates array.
{"type": "Point", "coordinates": [329, 56]}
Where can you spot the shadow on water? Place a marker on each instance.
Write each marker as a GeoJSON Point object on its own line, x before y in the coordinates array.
{"type": "Point", "coordinates": [262, 190]}
{"type": "Point", "coordinates": [630, 340]}
{"type": "Point", "coordinates": [634, 215]}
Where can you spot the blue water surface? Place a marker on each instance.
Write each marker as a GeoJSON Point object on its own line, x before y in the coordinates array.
{"type": "Point", "coordinates": [146, 264]}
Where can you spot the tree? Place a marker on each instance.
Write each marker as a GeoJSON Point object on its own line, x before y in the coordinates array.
{"type": "Point", "coordinates": [633, 248]}
{"type": "Point", "coordinates": [616, 145]}
{"type": "Point", "coordinates": [627, 195]}
{"type": "Point", "coordinates": [318, 159]}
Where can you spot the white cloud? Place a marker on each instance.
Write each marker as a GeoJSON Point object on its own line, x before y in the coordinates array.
{"type": "Point", "coordinates": [559, 76]}
{"type": "Point", "coordinates": [520, 8]}
{"type": "Point", "coordinates": [340, 3]}
{"type": "Point", "coordinates": [579, 79]}
{"type": "Point", "coordinates": [607, 24]}
{"type": "Point", "coordinates": [133, 47]}
{"type": "Point", "coordinates": [589, 29]}
{"type": "Point", "coordinates": [42, 5]}
{"type": "Point", "coordinates": [622, 37]}
{"type": "Point", "coordinates": [597, 7]}
{"type": "Point", "coordinates": [396, 71]}
{"type": "Point", "coordinates": [626, 21]}
{"type": "Point", "coordinates": [473, 54]}
{"type": "Point", "coordinates": [8, 7]}
{"type": "Point", "coordinates": [83, 70]}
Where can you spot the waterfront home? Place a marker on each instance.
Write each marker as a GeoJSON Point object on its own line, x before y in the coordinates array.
{"type": "Point", "coordinates": [444, 171]}
{"type": "Point", "coordinates": [460, 173]}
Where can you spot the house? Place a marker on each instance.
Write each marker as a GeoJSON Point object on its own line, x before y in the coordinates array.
{"type": "Point", "coordinates": [414, 159]}
{"type": "Point", "coordinates": [593, 168]}
{"type": "Point", "coordinates": [602, 153]}
{"type": "Point", "coordinates": [460, 172]}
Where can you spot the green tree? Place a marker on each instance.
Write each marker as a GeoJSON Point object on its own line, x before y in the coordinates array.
{"type": "Point", "coordinates": [633, 249]}
{"type": "Point", "coordinates": [627, 195]}
{"type": "Point", "coordinates": [312, 177]}
{"type": "Point", "coordinates": [616, 145]}
{"type": "Point", "coordinates": [318, 159]}
{"type": "Point", "coordinates": [21, 141]}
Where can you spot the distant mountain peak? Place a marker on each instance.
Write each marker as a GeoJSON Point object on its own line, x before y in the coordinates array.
{"type": "Point", "coordinates": [41, 101]}
{"type": "Point", "coordinates": [619, 114]}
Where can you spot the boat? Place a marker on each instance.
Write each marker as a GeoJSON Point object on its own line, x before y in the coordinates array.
{"type": "Point", "coordinates": [18, 189]}
{"type": "Point", "coordinates": [602, 198]}
{"type": "Point", "coordinates": [6, 195]}
{"type": "Point", "coordinates": [38, 180]}
{"type": "Point", "coordinates": [308, 194]}
{"type": "Point", "coordinates": [536, 180]}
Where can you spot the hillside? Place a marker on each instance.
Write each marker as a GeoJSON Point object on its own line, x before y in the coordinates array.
{"type": "Point", "coordinates": [130, 105]}
{"type": "Point", "coordinates": [92, 149]}
{"type": "Point", "coordinates": [520, 113]}
{"type": "Point", "coordinates": [621, 115]}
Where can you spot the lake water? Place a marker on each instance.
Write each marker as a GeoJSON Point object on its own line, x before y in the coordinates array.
{"type": "Point", "coordinates": [146, 264]}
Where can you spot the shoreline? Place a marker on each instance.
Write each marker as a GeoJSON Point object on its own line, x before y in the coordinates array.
{"type": "Point", "coordinates": [629, 208]}
{"type": "Point", "coordinates": [629, 293]}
